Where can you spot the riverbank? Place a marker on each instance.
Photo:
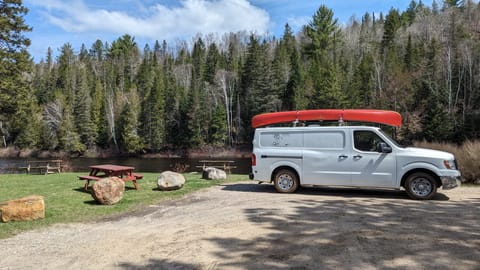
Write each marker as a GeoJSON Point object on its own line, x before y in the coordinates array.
{"type": "Point", "coordinates": [243, 151]}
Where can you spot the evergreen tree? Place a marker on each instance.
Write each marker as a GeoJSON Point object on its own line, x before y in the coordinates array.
{"type": "Point", "coordinates": [253, 95]}
{"type": "Point", "coordinates": [211, 63]}
{"type": "Point", "coordinates": [128, 126]}
{"type": "Point", "coordinates": [82, 111]}
{"type": "Point", "coordinates": [409, 15]}
{"type": "Point", "coordinates": [26, 122]}
{"type": "Point", "coordinates": [283, 69]}
{"type": "Point", "coordinates": [296, 84]}
{"type": "Point", "coordinates": [361, 91]}
{"type": "Point", "coordinates": [197, 108]}
{"type": "Point", "coordinates": [69, 139]}
{"type": "Point", "coordinates": [157, 121]}
{"type": "Point", "coordinates": [44, 80]}
{"type": "Point", "coordinates": [17, 105]}
{"type": "Point", "coordinates": [98, 113]}
{"type": "Point", "coordinates": [392, 24]}
{"type": "Point", "coordinates": [66, 77]}
{"type": "Point", "coordinates": [411, 56]}
{"type": "Point", "coordinates": [218, 127]}
{"type": "Point", "coordinates": [437, 124]}
{"type": "Point", "coordinates": [324, 34]}
{"type": "Point", "coordinates": [97, 51]}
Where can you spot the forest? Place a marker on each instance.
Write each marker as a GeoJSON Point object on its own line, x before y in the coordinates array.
{"type": "Point", "coordinates": [423, 62]}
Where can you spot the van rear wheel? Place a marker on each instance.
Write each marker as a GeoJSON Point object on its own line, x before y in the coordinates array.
{"type": "Point", "coordinates": [421, 186]}
{"type": "Point", "coordinates": [286, 181]}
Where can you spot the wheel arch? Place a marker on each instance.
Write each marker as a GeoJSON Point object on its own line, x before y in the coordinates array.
{"type": "Point", "coordinates": [431, 173]}
{"type": "Point", "coordinates": [285, 167]}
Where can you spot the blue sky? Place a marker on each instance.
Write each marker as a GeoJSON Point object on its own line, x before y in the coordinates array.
{"type": "Point", "coordinates": [56, 22]}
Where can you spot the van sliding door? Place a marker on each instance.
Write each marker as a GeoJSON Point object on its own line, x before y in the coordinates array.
{"type": "Point", "coordinates": [325, 158]}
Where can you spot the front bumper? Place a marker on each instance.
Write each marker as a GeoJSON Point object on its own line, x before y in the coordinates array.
{"type": "Point", "coordinates": [449, 182]}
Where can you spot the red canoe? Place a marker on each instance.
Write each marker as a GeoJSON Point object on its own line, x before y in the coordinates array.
{"type": "Point", "coordinates": [374, 116]}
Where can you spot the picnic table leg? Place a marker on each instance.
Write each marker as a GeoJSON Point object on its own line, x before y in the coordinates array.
{"type": "Point", "coordinates": [87, 182]}
{"type": "Point", "coordinates": [135, 184]}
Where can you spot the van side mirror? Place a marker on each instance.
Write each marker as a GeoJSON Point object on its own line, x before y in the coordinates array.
{"type": "Point", "coordinates": [383, 148]}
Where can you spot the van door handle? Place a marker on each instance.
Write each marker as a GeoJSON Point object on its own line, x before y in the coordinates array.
{"type": "Point", "coordinates": [342, 156]}
{"type": "Point", "coordinates": [357, 157]}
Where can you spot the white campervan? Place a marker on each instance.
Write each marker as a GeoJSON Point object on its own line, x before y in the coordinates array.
{"type": "Point", "coordinates": [351, 156]}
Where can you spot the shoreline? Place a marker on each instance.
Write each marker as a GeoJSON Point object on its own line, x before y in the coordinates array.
{"type": "Point", "coordinates": [243, 151]}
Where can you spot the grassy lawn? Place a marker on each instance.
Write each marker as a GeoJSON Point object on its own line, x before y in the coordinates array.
{"type": "Point", "coordinates": [66, 200]}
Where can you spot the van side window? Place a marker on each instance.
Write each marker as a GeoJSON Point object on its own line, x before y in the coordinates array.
{"type": "Point", "coordinates": [366, 140]}
{"type": "Point", "coordinates": [327, 140]}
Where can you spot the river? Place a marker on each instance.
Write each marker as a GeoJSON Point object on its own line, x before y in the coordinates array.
{"type": "Point", "coordinates": [141, 164]}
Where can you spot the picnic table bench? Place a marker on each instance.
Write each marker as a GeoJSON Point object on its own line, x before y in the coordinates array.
{"type": "Point", "coordinates": [226, 165]}
{"type": "Point", "coordinates": [42, 166]}
{"type": "Point", "coordinates": [98, 172]}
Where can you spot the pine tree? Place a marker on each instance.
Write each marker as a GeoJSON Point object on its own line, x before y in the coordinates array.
{"type": "Point", "coordinates": [283, 69]}
{"type": "Point", "coordinates": [218, 127]}
{"type": "Point", "coordinates": [250, 100]}
{"type": "Point", "coordinates": [97, 113]}
{"type": "Point", "coordinates": [197, 107]}
{"type": "Point", "coordinates": [324, 33]}
{"type": "Point", "coordinates": [128, 126]}
{"type": "Point", "coordinates": [211, 63]}
{"type": "Point", "coordinates": [157, 121]}
{"type": "Point", "coordinates": [437, 124]}
{"type": "Point", "coordinates": [69, 139]}
{"type": "Point", "coordinates": [392, 24]}
{"type": "Point", "coordinates": [296, 84]}
{"type": "Point", "coordinates": [82, 111]}
{"type": "Point", "coordinates": [66, 77]}
{"type": "Point", "coordinates": [17, 104]}
{"type": "Point", "coordinates": [361, 91]}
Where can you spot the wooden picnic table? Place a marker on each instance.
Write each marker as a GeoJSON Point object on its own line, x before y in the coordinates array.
{"type": "Point", "coordinates": [41, 166]}
{"type": "Point", "coordinates": [97, 172]}
{"type": "Point", "coordinates": [226, 165]}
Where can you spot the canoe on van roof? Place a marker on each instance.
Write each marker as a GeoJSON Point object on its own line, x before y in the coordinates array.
{"type": "Point", "coordinates": [390, 118]}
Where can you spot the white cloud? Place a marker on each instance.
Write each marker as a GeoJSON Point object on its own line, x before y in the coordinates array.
{"type": "Point", "coordinates": [296, 23]}
{"type": "Point", "coordinates": [160, 22]}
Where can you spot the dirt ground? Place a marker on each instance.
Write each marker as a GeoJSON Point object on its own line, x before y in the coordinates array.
{"type": "Point", "coordinates": [249, 226]}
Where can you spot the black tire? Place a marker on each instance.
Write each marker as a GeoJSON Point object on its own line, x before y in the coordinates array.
{"type": "Point", "coordinates": [421, 186]}
{"type": "Point", "coordinates": [286, 181]}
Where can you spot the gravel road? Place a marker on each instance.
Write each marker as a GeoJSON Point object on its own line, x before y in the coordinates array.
{"type": "Point", "coordinates": [249, 226]}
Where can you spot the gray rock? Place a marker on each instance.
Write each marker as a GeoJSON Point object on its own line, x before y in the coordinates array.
{"type": "Point", "coordinates": [212, 173]}
{"type": "Point", "coordinates": [169, 180]}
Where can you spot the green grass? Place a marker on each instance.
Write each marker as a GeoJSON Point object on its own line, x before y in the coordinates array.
{"type": "Point", "coordinates": [66, 201]}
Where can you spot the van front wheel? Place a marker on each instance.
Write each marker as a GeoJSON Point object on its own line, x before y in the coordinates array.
{"type": "Point", "coordinates": [421, 186]}
{"type": "Point", "coordinates": [286, 181]}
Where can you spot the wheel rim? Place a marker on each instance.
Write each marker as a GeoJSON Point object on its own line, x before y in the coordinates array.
{"type": "Point", "coordinates": [285, 182]}
{"type": "Point", "coordinates": [421, 187]}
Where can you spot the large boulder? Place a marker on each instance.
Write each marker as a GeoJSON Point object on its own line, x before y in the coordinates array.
{"type": "Point", "coordinates": [108, 190]}
{"type": "Point", "coordinates": [28, 208]}
{"type": "Point", "coordinates": [169, 180]}
{"type": "Point", "coordinates": [212, 173]}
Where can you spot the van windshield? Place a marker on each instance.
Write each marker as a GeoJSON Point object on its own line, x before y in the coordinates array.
{"type": "Point", "coordinates": [391, 139]}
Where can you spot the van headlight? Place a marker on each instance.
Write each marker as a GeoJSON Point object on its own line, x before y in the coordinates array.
{"type": "Point", "coordinates": [450, 164]}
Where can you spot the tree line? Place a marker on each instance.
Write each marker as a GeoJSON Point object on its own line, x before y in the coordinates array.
{"type": "Point", "coordinates": [423, 62]}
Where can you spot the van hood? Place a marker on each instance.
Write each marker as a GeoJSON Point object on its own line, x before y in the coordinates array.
{"type": "Point", "coordinates": [427, 153]}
